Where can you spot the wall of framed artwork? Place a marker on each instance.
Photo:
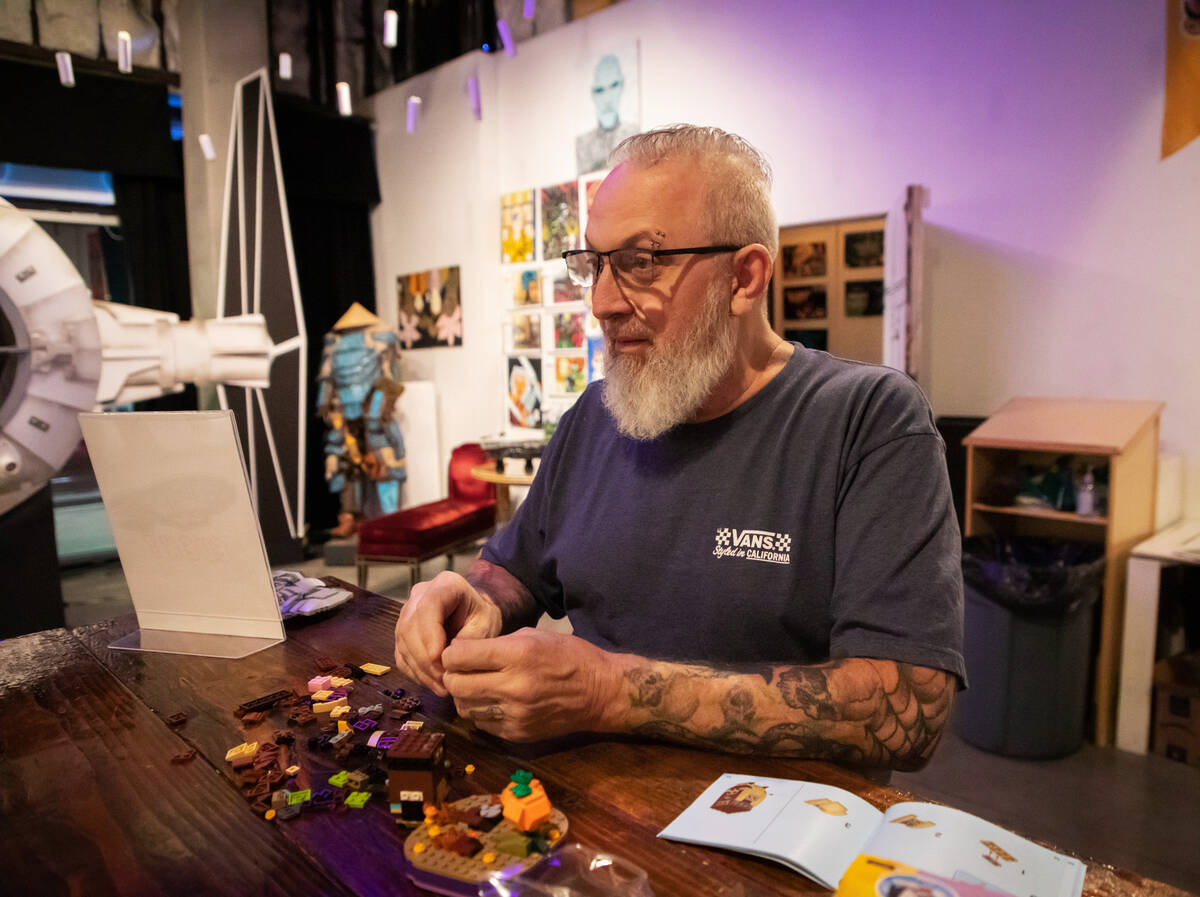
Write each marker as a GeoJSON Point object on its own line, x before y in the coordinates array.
{"type": "Point", "coordinates": [828, 287]}
{"type": "Point", "coordinates": [547, 320]}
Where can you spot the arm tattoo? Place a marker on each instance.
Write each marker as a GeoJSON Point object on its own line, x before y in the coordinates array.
{"type": "Point", "coordinates": [856, 711]}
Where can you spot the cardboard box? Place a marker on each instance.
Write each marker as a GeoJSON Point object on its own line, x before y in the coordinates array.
{"type": "Point", "coordinates": [1177, 708]}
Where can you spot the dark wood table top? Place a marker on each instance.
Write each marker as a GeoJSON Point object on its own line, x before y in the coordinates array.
{"type": "Point", "coordinates": [90, 802]}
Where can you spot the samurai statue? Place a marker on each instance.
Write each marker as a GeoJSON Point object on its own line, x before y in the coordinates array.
{"type": "Point", "coordinates": [356, 397]}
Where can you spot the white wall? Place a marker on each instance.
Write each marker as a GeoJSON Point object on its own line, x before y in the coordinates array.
{"type": "Point", "coordinates": [1061, 254]}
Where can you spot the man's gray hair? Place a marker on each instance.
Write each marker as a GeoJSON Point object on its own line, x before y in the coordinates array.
{"type": "Point", "coordinates": [739, 178]}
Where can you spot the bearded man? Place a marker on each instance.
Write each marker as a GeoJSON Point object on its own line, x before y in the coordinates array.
{"type": "Point", "coordinates": [754, 542]}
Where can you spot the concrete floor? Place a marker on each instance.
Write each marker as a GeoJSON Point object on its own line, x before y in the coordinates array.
{"type": "Point", "coordinates": [1137, 813]}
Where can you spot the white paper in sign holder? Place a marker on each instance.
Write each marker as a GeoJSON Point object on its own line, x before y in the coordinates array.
{"type": "Point", "coordinates": [175, 489]}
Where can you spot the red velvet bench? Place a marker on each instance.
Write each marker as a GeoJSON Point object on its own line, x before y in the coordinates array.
{"type": "Point", "coordinates": [444, 527]}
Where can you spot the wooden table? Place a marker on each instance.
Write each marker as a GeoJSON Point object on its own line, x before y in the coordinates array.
{"type": "Point", "coordinates": [90, 802]}
{"type": "Point", "coordinates": [501, 480]}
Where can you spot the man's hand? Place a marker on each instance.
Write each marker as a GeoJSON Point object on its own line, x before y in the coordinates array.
{"type": "Point", "coordinates": [437, 611]}
{"type": "Point", "coordinates": [533, 684]}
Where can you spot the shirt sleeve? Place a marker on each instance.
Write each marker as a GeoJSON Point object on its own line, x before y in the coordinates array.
{"type": "Point", "coordinates": [898, 588]}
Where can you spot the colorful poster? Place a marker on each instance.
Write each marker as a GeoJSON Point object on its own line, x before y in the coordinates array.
{"type": "Point", "coordinates": [560, 219]}
{"type": "Point", "coordinates": [570, 373]}
{"type": "Point", "coordinates": [565, 290]}
{"type": "Point", "coordinates": [516, 227]}
{"type": "Point", "coordinates": [429, 309]}
{"type": "Point", "coordinates": [568, 331]}
{"type": "Point", "coordinates": [524, 398]}
{"type": "Point", "coordinates": [595, 358]}
{"type": "Point", "coordinates": [526, 287]}
{"type": "Point", "coordinates": [527, 331]}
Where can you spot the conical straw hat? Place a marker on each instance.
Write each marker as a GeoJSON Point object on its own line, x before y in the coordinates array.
{"type": "Point", "coordinates": [355, 316]}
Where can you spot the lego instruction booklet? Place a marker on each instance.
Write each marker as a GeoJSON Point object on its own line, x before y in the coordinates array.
{"type": "Point", "coordinates": [818, 830]}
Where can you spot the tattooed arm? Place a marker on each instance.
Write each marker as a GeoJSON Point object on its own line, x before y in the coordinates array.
{"type": "Point", "coordinates": [857, 711]}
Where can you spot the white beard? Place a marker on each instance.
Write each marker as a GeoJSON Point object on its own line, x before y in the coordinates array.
{"type": "Point", "coordinates": [648, 395]}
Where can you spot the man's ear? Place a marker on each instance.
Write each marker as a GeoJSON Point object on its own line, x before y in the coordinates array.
{"type": "Point", "coordinates": [752, 268]}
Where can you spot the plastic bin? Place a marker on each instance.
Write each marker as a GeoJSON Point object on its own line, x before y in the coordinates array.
{"type": "Point", "coordinates": [1027, 634]}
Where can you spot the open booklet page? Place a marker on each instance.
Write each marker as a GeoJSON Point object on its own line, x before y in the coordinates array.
{"type": "Point", "coordinates": [962, 847]}
{"type": "Point", "coordinates": [817, 829]}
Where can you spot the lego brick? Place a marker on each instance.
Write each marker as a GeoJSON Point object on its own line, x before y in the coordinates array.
{"type": "Point", "coordinates": [317, 684]}
{"type": "Point", "coordinates": [245, 749]}
{"type": "Point", "coordinates": [176, 719]}
{"type": "Point", "coordinates": [358, 799]}
{"type": "Point", "coordinates": [373, 669]}
{"type": "Point", "coordinates": [253, 718]}
{"type": "Point", "coordinates": [326, 706]}
{"type": "Point", "coordinates": [322, 694]}
{"type": "Point", "coordinates": [266, 702]}
{"type": "Point", "coordinates": [338, 779]}
{"type": "Point", "coordinates": [185, 757]}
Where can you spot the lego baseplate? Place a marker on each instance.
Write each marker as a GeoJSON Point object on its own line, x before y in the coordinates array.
{"type": "Point", "coordinates": [444, 872]}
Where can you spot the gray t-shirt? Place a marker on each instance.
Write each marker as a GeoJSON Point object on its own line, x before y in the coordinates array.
{"type": "Point", "coordinates": [814, 521]}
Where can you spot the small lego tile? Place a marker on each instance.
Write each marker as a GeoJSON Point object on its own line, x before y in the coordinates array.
{"type": "Point", "coordinates": [340, 681]}
{"type": "Point", "coordinates": [245, 749]}
{"type": "Point", "coordinates": [299, 797]}
{"type": "Point", "coordinates": [326, 706]}
{"type": "Point", "coordinates": [343, 726]}
{"type": "Point", "coordinates": [340, 710]}
{"type": "Point", "coordinates": [338, 779]}
{"type": "Point", "coordinates": [469, 769]}
{"type": "Point", "coordinates": [412, 725]}
{"type": "Point", "coordinates": [322, 694]}
{"type": "Point", "coordinates": [253, 718]}
{"type": "Point", "coordinates": [373, 669]}
{"type": "Point", "coordinates": [358, 799]}
{"type": "Point", "coordinates": [301, 717]}
{"type": "Point", "coordinates": [318, 683]}
{"type": "Point", "coordinates": [176, 719]}
{"type": "Point", "coordinates": [368, 709]}
{"type": "Point", "coordinates": [292, 770]}
{"type": "Point", "coordinates": [185, 757]}
{"type": "Point", "coordinates": [365, 725]}
{"type": "Point", "coordinates": [409, 705]}
{"type": "Point", "coordinates": [279, 798]}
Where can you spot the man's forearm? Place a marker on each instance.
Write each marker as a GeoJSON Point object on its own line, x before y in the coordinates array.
{"type": "Point", "coordinates": [857, 711]}
{"type": "Point", "coordinates": [517, 605]}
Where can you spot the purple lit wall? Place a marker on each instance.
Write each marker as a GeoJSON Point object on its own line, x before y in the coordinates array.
{"type": "Point", "coordinates": [1061, 251]}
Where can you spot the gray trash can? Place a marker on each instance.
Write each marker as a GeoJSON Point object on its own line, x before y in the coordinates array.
{"type": "Point", "coordinates": [1027, 638]}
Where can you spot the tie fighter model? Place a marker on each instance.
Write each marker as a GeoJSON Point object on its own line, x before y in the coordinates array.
{"type": "Point", "coordinates": [62, 353]}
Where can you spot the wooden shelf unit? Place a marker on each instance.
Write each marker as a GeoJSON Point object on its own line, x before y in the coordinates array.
{"type": "Point", "coordinates": [1119, 434]}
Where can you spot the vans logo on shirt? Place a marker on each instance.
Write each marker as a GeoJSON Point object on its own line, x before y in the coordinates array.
{"type": "Point", "coordinates": [753, 545]}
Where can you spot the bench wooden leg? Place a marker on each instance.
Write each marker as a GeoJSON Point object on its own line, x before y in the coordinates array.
{"type": "Point", "coordinates": [362, 574]}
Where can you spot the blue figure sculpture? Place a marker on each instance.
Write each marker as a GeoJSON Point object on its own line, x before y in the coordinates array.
{"type": "Point", "coordinates": [356, 396]}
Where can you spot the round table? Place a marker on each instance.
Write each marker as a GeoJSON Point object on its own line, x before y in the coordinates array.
{"type": "Point", "coordinates": [501, 480]}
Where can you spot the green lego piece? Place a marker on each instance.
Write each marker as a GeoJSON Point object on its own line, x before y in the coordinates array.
{"type": "Point", "coordinates": [338, 779]}
{"type": "Point", "coordinates": [299, 797]}
{"type": "Point", "coordinates": [521, 790]}
{"type": "Point", "coordinates": [358, 799]}
{"type": "Point", "coordinates": [513, 843]}
{"type": "Point", "coordinates": [521, 777]}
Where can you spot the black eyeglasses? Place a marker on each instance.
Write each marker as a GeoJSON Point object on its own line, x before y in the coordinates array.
{"type": "Point", "coordinates": [584, 265]}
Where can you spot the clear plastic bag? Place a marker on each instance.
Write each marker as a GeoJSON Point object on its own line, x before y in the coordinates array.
{"type": "Point", "coordinates": [571, 871]}
{"type": "Point", "coordinates": [1034, 576]}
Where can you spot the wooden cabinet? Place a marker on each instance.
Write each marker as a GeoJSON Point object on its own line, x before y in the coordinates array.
{"type": "Point", "coordinates": [1119, 435]}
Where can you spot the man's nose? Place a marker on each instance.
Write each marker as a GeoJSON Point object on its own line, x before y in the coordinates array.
{"type": "Point", "coordinates": [609, 299]}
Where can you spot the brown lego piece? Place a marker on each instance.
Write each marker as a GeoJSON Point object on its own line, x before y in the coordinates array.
{"type": "Point", "coordinates": [459, 842]}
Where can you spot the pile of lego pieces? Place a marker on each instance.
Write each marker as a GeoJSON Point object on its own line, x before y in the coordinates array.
{"type": "Point", "coordinates": [355, 737]}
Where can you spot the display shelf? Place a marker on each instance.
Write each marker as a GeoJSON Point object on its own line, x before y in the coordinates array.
{"type": "Point", "coordinates": [1122, 435]}
{"type": "Point", "coordinates": [1042, 513]}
